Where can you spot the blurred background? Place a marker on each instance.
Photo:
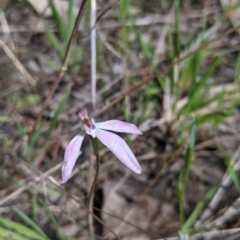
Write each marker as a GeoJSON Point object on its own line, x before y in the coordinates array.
{"type": "Point", "coordinates": [169, 67]}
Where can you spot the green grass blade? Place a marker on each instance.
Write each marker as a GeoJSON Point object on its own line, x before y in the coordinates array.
{"type": "Point", "coordinates": [51, 218]}
{"type": "Point", "coordinates": [9, 235]}
{"type": "Point", "coordinates": [34, 207]}
{"type": "Point", "coordinates": [184, 80]}
{"type": "Point", "coordinates": [179, 193]}
{"type": "Point", "coordinates": [237, 69]}
{"type": "Point", "coordinates": [58, 20]}
{"type": "Point", "coordinates": [145, 47]}
{"type": "Point", "coordinates": [230, 168]}
{"type": "Point", "coordinates": [189, 153]}
{"type": "Point", "coordinates": [234, 175]}
{"type": "Point", "coordinates": [170, 40]}
{"type": "Point", "coordinates": [198, 209]}
{"type": "Point", "coordinates": [52, 63]}
{"type": "Point", "coordinates": [204, 79]}
{"type": "Point", "coordinates": [171, 56]}
{"type": "Point", "coordinates": [183, 178]}
{"type": "Point", "coordinates": [177, 27]}
{"type": "Point", "coordinates": [55, 43]}
{"type": "Point", "coordinates": [71, 21]}
{"type": "Point", "coordinates": [19, 228]}
{"type": "Point", "coordinates": [35, 137]}
{"type": "Point", "coordinates": [58, 112]}
{"type": "Point", "coordinates": [211, 117]}
{"type": "Point", "coordinates": [29, 221]}
{"type": "Point", "coordinates": [188, 163]}
{"type": "Point", "coordinates": [196, 64]}
{"type": "Point", "coordinates": [193, 134]}
{"type": "Point", "coordinates": [124, 7]}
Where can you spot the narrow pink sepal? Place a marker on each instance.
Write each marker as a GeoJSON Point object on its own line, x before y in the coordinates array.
{"type": "Point", "coordinates": [83, 114]}
{"type": "Point", "coordinates": [120, 149]}
{"type": "Point", "coordinates": [118, 126]}
{"type": "Point", "coordinates": [71, 155]}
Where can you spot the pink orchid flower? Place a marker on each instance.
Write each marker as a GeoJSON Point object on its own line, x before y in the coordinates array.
{"type": "Point", "coordinates": [115, 143]}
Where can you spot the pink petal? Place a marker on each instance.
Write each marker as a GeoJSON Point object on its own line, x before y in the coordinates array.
{"type": "Point", "coordinates": [118, 126]}
{"type": "Point", "coordinates": [83, 114]}
{"type": "Point", "coordinates": [120, 149]}
{"type": "Point", "coordinates": [71, 154]}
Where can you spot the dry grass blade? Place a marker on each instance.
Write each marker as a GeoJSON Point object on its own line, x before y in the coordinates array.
{"type": "Point", "coordinates": [232, 212]}
{"type": "Point", "coordinates": [234, 236]}
{"type": "Point", "coordinates": [93, 52]}
{"type": "Point", "coordinates": [6, 30]}
{"type": "Point", "coordinates": [161, 42]}
{"type": "Point", "coordinates": [18, 64]}
{"type": "Point", "coordinates": [226, 182]}
{"type": "Point", "coordinates": [214, 234]}
{"type": "Point", "coordinates": [16, 193]}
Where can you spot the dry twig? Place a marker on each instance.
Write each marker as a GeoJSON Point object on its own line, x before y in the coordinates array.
{"type": "Point", "coordinates": [63, 68]}
{"type": "Point", "coordinates": [17, 63]}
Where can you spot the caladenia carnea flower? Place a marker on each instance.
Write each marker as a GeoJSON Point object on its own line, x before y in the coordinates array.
{"type": "Point", "coordinates": [112, 141]}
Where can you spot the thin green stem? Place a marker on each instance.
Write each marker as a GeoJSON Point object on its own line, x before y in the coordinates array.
{"type": "Point", "coordinates": [90, 199]}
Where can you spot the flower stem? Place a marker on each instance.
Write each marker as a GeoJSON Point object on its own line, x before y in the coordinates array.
{"type": "Point", "coordinates": [90, 199]}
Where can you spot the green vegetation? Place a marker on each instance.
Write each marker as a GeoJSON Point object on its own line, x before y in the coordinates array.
{"type": "Point", "coordinates": [169, 67]}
